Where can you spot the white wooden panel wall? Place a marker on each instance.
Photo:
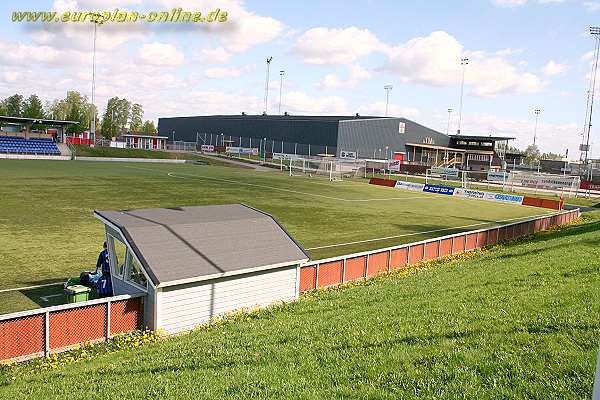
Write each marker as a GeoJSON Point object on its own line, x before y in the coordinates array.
{"type": "Point", "coordinates": [187, 306]}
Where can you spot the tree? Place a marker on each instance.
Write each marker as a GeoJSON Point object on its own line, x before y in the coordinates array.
{"type": "Point", "coordinates": [115, 117]}
{"type": "Point", "coordinates": [13, 106]}
{"type": "Point", "coordinates": [149, 128]}
{"type": "Point", "coordinates": [33, 108]}
{"type": "Point", "coordinates": [552, 156]}
{"type": "Point", "coordinates": [57, 109]}
{"type": "Point", "coordinates": [136, 121]}
{"type": "Point", "coordinates": [78, 109]}
{"type": "Point", "coordinates": [532, 154]}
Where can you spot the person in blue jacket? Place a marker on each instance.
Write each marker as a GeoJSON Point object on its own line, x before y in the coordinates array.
{"type": "Point", "coordinates": [103, 282]}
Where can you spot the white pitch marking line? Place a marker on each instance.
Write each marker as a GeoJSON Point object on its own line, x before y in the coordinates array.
{"type": "Point", "coordinates": [418, 233]}
{"type": "Point", "coordinates": [45, 298]}
{"type": "Point", "coordinates": [232, 182]}
{"type": "Point", "coordinates": [30, 287]}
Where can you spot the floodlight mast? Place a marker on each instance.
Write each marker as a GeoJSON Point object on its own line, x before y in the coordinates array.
{"type": "Point", "coordinates": [448, 127]}
{"type": "Point", "coordinates": [267, 85]}
{"type": "Point", "coordinates": [281, 74]}
{"type": "Point", "coordinates": [387, 97]}
{"type": "Point", "coordinates": [96, 22]}
{"type": "Point", "coordinates": [537, 114]}
{"type": "Point", "coordinates": [464, 62]}
{"type": "Point", "coordinates": [585, 146]}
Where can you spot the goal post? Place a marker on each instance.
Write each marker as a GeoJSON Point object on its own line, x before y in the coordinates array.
{"type": "Point", "coordinates": [333, 170]}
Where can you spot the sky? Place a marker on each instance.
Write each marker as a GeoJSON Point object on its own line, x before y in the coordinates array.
{"type": "Point", "coordinates": [337, 57]}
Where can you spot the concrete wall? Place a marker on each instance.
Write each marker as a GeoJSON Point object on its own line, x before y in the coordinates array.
{"type": "Point", "coordinates": [184, 307]}
{"type": "Point", "coordinates": [368, 136]}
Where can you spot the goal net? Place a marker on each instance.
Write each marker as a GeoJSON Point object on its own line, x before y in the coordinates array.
{"type": "Point", "coordinates": [330, 169]}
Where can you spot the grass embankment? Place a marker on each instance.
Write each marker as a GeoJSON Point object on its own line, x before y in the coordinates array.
{"type": "Point", "coordinates": [517, 321]}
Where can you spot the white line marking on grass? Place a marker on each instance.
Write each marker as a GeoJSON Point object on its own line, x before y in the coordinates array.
{"type": "Point", "coordinates": [418, 233]}
{"type": "Point", "coordinates": [31, 287]}
{"type": "Point", "coordinates": [179, 175]}
{"type": "Point", "coordinates": [45, 298]}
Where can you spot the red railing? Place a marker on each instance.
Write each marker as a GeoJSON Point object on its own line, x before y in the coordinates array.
{"type": "Point", "coordinates": [42, 331]}
{"type": "Point", "coordinates": [337, 270]}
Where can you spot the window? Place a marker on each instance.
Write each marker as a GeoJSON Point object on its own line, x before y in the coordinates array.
{"type": "Point", "coordinates": [119, 251]}
{"type": "Point", "coordinates": [487, 144]}
{"type": "Point", "coordinates": [402, 127]}
{"type": "Point", "coordinates": [428, 140]}
{"type": "Point", "coordinates": [479, 157]}
{"type": "Point", "coordinates": [134, 272]}
{"type": "Point", "coordinates": [473, 143]}
{"type": "Point", "coordinates": [462, 142]}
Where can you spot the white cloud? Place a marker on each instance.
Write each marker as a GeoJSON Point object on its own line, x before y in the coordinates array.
{"type": "Point", "coordinates": [217, 55]}
{"type": "Point", "coordinates": [297, 102]}
{"type": "Point", "coordinates": [335, 46]}
{"type": "Point", "coordinates": [232, 72]}
{"type": "Point", "coordinates": [509, 3]}
{"type": "Point", "coordinates": [508, 52]}
{"type": "Point", "coordinates": [394, 110]}
{"type": "Point", "coordinates": [434, 60]}
{"type": "Point", "coordinates": [592, 6]}
{"type": "Point", "coordinates": [356, 75]}
{"type": "Point", "coordinates": [243, 29]}
{"type": "Point", "coordinates": [163, 54]}
{"type": "Point", "coordinates": [555, 137]}
{"type": "Point", "coordinates": [553, 68]}
{"type": "Point", "coordinates": [519, 3]}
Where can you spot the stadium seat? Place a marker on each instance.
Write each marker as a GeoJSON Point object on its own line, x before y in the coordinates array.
{"type": "Point", "coordinates": [11, 144]}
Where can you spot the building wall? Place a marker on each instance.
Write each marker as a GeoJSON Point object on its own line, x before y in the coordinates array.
{"type": "Point", "coordinates": [320, 132]}
{"type": "Point", "coordinates": [366, 137]}
{"type": "Point", "coordinates": [184, 307]}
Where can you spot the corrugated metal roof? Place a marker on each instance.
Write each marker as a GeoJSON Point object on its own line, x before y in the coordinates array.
{"type": "Point", "coordinates": [196, 243]}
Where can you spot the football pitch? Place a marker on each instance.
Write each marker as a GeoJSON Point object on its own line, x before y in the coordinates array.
{"type": "Point", "coordinates": [48, 232]}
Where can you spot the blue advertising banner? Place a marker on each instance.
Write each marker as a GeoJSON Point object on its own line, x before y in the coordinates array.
{"type": "Point", "coordinates": [449, 190]}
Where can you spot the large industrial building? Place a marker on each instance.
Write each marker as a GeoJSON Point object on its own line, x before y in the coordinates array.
{"type": "Point", "coordinates": [361, 136]}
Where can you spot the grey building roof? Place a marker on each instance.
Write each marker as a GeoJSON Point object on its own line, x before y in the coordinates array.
{"type": "Point", "coordinates": [186, 244]}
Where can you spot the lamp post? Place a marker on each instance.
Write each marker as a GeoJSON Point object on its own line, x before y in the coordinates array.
{"type": "Point", "coordinates": [464, 62]}
{"type": "Point", "coordinates": [537, 113]}
{"type": "Point", "coordinates": [267, 85]}
{"type": "Point", "coordinates": [387, 97]}
{"type": "Point", "coordinates": [281, 74]}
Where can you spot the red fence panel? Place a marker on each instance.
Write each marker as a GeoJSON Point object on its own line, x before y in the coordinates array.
{"type": "Point", "coordinates": [399, 258]}
{"type": "Point", "coordinates": [415, 254]}
{"type": "Point", "coordinates": [482, 238]}
{"type": "Point", "coordinates": [382, 182]}
{"type": "Point", "coordinates": [330, 273]}
{"type": "Point", "coordinates": [431, 250]}
{"type": "Point", "coordinates": [378, 262]}
{"type": "Point", "coordinates": [458, 245]}
{"type": "Point", "coordinates": [355, 268]}
{"type": "Point", "coordinates": [22, 336]}
{"type": "Point", "coordinates": [471, 241]}
{"type": "Point", "coordinates": [126, 316]}
{"type": "Point", "coordinates": [492, 236]}
{"type": "Point", "coordinates": [308, 278]}
{"type": "Point", "coordinates": [77, 325]}
{"type": "Point", "coordinates": [445, 247]}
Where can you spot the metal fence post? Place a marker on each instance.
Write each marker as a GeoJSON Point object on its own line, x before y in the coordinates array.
{"type": "Point", "coordinates": [367, 266]}
{"type": "Point", "coordinates": [108, 319]}
{"type": "Point", "coordinates": [389, 266]}
{"type": "Point", "coordinates": [344, 270]}
{"type": "Point", "coordinates": [316, 276]}
{"type": "Point", "coordinates": [46, 333]}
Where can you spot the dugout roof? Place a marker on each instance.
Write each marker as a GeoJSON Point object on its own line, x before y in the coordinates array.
{"type": "Point", "coordinates": [188, 244]}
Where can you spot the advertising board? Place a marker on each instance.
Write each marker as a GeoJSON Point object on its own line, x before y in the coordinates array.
{"type": "Point", "coordinates": [448, 190]}
{"type": "Point", "coordinates": [348, 154]}
{"type": "Point", "coordinates": [453, 172]}
{"type": "Point", "coordinates": [410, 186]}
{"type": "Point", "coordinates": [207, 147]}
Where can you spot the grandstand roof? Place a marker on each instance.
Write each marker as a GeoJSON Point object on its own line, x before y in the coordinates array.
{"type": "Point", "coordinates": [24, 120]}
{"type": "Point", "coordinates": [188, 244]}
{"type": "Point", "coordinates": [481, 137]}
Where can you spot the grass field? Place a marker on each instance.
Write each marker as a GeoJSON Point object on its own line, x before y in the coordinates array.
{"type": "Point", "coordinates": [48, 232]}
{"type": "Point", "coordinates": [518, 321]}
